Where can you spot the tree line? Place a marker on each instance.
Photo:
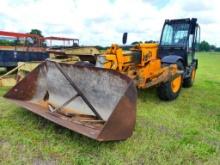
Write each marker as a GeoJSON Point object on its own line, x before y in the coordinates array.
{"type": "Point", "coordinates": [203, 46]}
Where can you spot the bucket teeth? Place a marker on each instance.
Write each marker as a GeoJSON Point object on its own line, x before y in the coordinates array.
{"type": "Point", "coordinates": [95, 102]}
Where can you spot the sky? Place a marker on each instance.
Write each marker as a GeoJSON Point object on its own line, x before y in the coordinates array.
{"type": "Point", "coordinates": [102, 22]}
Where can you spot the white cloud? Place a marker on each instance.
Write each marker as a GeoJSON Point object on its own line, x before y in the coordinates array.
{"type": "Point", "coordinates": [102, 22]}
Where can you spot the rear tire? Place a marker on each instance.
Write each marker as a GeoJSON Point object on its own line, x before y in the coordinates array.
{"type": "Point", "coordinates": [188, 82]}
{"type": "Point", "coordinates": [171, 89]}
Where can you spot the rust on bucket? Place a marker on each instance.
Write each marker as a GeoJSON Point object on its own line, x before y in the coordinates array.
{"type": "Point", "coordinates": [94, 102]}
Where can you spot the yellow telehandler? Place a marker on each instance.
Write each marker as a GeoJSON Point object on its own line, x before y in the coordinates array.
{"type": "Point", "coordinates": [100, 101]}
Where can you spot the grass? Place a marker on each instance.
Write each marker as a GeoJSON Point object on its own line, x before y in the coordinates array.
{"type": "Point", "coordinates": [184, 131]}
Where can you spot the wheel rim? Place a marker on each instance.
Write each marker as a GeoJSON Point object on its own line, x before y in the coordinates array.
{"type": "Point", "coordinates": [193, 74]}
{"type": "Point", "coordinates": [176, 84]}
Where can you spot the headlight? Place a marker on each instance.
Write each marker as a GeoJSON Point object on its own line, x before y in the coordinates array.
{"type": "Point", "coordinates": [101, 59]}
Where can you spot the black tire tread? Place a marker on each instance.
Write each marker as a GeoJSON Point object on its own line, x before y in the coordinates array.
{"type": "Point", "coordinates": [188, 82]}
{"type": "Point", "coordinates": [164, 90]}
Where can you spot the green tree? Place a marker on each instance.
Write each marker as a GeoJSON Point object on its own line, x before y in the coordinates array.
{"type": "Point", "coordinates": [5, 43]}
{"type": "Point", "coordinates": [217, 49]}
{"type": "Point", "coordinates": [204, 46]}
{"type": "Point", "coordinates": [37, 32]}
{"type": "Point", "coordinates": [212, 47]}
{"type": "Point", "coordinates": [135, 43]}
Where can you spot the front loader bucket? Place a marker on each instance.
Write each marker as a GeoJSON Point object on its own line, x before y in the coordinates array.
{"type": "Point", "coordinates": [95, 102]}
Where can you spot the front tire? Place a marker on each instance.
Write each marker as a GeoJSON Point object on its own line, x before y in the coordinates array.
{"type": "Point", "coordinates": [171, 89]}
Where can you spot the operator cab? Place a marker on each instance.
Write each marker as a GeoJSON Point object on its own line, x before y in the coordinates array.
{"type": "Point", "coordinates": [179, 40]}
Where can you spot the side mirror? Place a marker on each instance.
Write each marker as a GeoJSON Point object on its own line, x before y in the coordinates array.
{"type": "Point", "coordinates": [124, 38]}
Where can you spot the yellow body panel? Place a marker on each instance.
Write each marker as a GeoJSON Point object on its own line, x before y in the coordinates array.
{"type": "Point", "coordinates": [139, 63]}
{"type": "Point", "coordinates": [89, 50]}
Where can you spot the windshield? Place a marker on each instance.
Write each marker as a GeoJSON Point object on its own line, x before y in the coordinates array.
{"type": "Point", "coordinates": [175, 34]}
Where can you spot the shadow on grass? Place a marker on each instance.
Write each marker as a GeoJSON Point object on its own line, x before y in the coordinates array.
{"type": "Point", "coordinates": [148, 95]}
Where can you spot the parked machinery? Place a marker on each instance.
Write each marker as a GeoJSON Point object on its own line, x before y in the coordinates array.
{"type": "Point", "coordinates": [59, 49]}
{"type": "Point", "coordinates": [166, 65]}
{"type": "Point", "coordinates": [21, 47]}
{"type": "Point", "coordinates": [100, 102]}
